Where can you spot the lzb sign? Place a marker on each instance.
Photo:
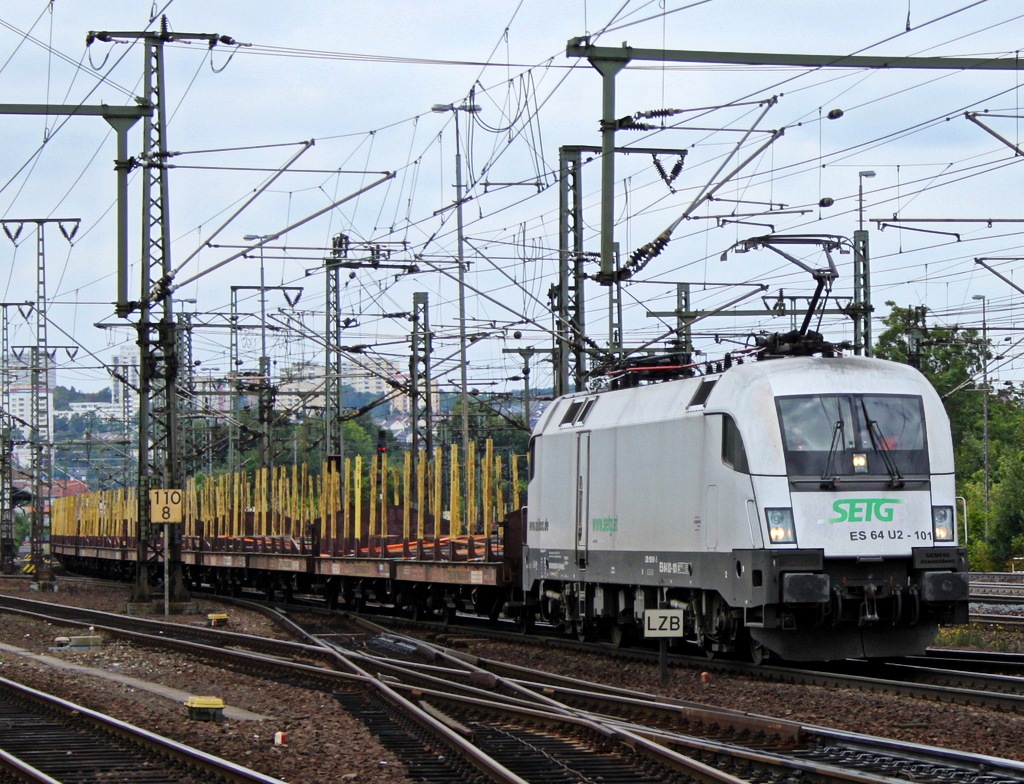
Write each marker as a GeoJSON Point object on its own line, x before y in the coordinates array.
{"type": "Point", "coordinates": [663, 623]}
{"type": "Point", "coordinates": [165, 506]}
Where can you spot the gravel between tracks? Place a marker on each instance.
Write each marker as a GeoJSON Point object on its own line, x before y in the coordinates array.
{"type": "Point", "coordinates": [325, 745]}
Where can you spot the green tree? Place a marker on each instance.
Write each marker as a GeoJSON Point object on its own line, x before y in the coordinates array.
{"type": "Point", "coordinates": [1006, 538]}
{"type": "Point", "coordinates": [63, 397]}
{"type": "Point", "coordinates": [954, 360]}
{"type": "Point", "coordinates": [487, 420]}
{"type": "Point", "coordinates": [22, 526]}
{"type": "Point", "coordinates": [950, 357]}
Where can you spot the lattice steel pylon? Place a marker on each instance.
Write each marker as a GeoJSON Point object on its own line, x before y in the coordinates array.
{"type": "Point", "coordinates": [40, 365]}
{"type": "Point", "coordinates": [569, 356]}
{"type": "Point", "coordinates": [159, 453]}
{"type": "Point", "coordinates": [420, 383]}
{"type": "Point", "coordinates": [186, 396]}
{"type": "Point", "coordinates": [334, 442]}
{"type": "Point", "coordinates": [8, 547]}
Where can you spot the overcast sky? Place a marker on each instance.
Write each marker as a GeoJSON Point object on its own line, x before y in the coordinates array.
{"type": "Point", "coordinates": [360, 79]}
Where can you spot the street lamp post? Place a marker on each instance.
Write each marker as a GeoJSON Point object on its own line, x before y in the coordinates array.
{"type": "Point", "coordinates": [984, 357]}
{"type": "Point", "coordinates": [472, 108]}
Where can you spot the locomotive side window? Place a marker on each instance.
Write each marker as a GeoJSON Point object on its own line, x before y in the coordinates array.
{"type": "Point", "coordinates": [570, 413]}
{"type": "Point", "coordinates": [733, 453]}
{"type": "Point", "coordinates": [848, 435]}
{"type": "Point", "coordinates": [700, 397]}
{"type": "Point", "coordinates": [577, 412]}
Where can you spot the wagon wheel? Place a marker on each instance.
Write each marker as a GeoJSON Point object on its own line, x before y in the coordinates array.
{"type": "Point", "coordinates": [622, 634]}
{"type": "Point", "coordinates": [526, 621]}
{"type": "Point", "coordinates": [585, 630]}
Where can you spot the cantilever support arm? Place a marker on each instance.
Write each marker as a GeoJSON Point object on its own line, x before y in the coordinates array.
{"type": "Point", "coordinates": [121, 118]}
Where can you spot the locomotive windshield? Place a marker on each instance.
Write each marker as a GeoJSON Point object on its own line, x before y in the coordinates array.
{"type": "Point", "coordinates": [854, 435]}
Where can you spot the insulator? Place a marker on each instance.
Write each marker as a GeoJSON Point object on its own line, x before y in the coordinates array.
{"type": "Point", "coordinates": [676, 169]}
{"type": "Point", "coordinates": [660, 168]}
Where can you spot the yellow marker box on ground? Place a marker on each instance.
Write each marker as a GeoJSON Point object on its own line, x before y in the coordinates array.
{"type": "Point", "coordinates": [205, 708]}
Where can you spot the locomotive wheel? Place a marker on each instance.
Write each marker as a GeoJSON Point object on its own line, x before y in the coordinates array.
{"type": "Point", "coordinates": [758, 653]}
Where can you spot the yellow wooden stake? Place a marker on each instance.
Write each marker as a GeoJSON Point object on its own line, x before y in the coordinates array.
{"type": "Point", "coordinates": [515, 482]}
{"type": "Point", "coordinates": [469, 516]}
{"type": "Point", "coordinates": [455, 483]}
{"type": "Point", "coordinates": [499, 488]}
{"type": "Point", "coordinates": [357, 493]}
{"type": "Point", "coordinates": [421, 475]}
{"type": "Point", "coordinates": [488, 488]}
{"type": "Point", "coordinates": [407, 496]}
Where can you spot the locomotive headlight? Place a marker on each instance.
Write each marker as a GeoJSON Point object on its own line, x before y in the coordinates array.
{"type": "Point", "coordinates": [943, 528]}
{"type": "Point", "coordinates": [860, 464]}
{"type": "Point", "coordinates": [780, 526]}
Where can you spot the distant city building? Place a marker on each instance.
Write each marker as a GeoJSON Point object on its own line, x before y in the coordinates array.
{"type": "Point", "coordinates": [302, 385]}
{"type": "Point", "coordinates": [20, 405]}
{"type": "Point", "coordinates": [301, 388]}
{"type": "Point", "coordinates": [124, 374]}
{"type": "Point", "coordinates": [18, 373]}
{"type": "Point", "coordinates": [18, 369]}
{"type": "Point", "coordinates": [104, 411]}
{"type": "Point", "coordinates": [214, 396]}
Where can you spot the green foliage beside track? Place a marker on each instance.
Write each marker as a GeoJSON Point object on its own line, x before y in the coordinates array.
{"type": "Point", "coordinates": [954, 360]}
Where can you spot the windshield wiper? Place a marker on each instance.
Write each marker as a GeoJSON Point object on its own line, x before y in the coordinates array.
{"type": "Point", "coordinates": [875, 432]}
{"type": "Point", "coordinates": [829, 479]}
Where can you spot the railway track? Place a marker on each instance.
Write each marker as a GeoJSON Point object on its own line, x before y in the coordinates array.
{"type": "Point", "coordinates": [509, 724]}
{"type": "Point", "coordinates": [47, 739]}
{"type": "Point", "coordinates": [750, 743]}
{"type": "Point", "coordinates": [966, 682]}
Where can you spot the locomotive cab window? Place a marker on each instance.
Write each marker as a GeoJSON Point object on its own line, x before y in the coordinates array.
{"type": "Point", "coordinates": [733, 453]}
{"type": "Point", "coordinates": [857, 436]}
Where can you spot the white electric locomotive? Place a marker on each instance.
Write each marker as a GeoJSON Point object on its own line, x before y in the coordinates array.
{"type": "Point", "coordinates": [802, 506]}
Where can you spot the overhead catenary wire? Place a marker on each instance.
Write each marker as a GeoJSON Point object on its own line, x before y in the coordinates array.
{"type": "Point", "coordinates": [535, 224]}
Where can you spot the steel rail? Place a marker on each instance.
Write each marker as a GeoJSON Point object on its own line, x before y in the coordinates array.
{"type": "Point", "coordinates": [751, 724]}
{"type": "Point", "coordinates": [675, 710]}
{"type": "Point", "coordinates": [23, 771]}
{"type": "Point", "coordinates": [430, 677]}
{"type": "Point", "coordinates": [273, 665]}
{"type": "Point", "coordinates": [223, 769]}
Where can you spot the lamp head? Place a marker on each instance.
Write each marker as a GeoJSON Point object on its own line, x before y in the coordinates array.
{"type": "Point", "coordinates": [866, 174]}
